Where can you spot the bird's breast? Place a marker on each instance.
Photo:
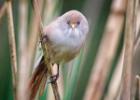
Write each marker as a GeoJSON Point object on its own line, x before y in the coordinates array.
{"type": "Point", "coordinates": [66, 46]}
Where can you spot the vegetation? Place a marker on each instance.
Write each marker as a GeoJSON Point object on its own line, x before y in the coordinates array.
{"type": "Point", "coordinates": [107, 68]}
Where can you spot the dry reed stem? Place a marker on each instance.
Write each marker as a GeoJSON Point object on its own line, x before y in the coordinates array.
{"type": "Point", "coordinates": [116, 79]}
{"type": "Point", "coordinates": [49, 10]}
{"type": "Point", "coordinates": [137, 88]}
{"type": "Point", "coordinates": [23, 14]}
{"type": "Point", "coordinates": [45, 48]}
{"type": "Point", "coordinates": [106, 52]}
{"type": "Point", "coordinates": [3, 10]}
{"type": "Point", "coordinates": [137, 25]}
{"type": "Point", "coordinates": [12, 44]}
{"type": "Point", "coordinates": [34, 36]}
{"type": "Point", "coordinates": [136, 84]}
{"type": "Point", "coordinates": [60, 83]}
{"type": "Point", "coordinates": [23, 74]}
{"type": "Point", "coordinates": [129, 40]}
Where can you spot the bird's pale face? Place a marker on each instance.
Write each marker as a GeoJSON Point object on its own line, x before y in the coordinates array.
{"type": "Point", "coordinates": [74, 23]}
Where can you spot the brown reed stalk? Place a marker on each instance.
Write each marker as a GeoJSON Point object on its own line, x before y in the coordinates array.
{"type": "Point", "coordinates": [3, 10]}
{"type": "Point", "coordinates": [137, 26]}
{"type": "Point", "coordinates": [24, 68]}
{"type": "Point", "coordinates": [12, 44]}
{"type": "Point", "coordinates": [45, 48]}
{"type": "Point", "coordinates": [35, 33]}
{"type": "Point", "coordinates": [126, 91]}
{"type": "Point", "coordinates": [137, 88]}
{"type": "Point", "coordinates": [106, 51]}
{"type": "Point", "coordinates": [114, 86]}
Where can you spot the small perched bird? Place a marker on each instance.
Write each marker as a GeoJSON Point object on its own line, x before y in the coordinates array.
{"type": "Point", "coordinates": [65, 37]}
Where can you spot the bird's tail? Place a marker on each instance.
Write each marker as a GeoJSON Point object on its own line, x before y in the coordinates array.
{"type": "Point", "coordinates": [38, 79]}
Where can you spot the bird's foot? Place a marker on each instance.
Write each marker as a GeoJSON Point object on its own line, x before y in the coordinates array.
{"type": "Point", "coordinates": [44, 39]}
{"type": "Point", "coordinates": [54, 78]}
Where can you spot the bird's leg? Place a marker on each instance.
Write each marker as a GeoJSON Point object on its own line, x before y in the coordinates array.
{"type": "Point", "coordinates": [54, 78]}
{"type": "Point", "coordinates": [44, 39]}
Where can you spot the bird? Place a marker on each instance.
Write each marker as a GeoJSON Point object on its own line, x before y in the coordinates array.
{"type": "Point", "coordinates": [65, 36]}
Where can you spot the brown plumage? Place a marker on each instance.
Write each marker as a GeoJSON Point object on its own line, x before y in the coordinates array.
{"type": "Point", "coordinates": [38, 79]}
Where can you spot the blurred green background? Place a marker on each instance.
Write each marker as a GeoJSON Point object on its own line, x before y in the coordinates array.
{"type": "Point", "coordinates": [76, 78]}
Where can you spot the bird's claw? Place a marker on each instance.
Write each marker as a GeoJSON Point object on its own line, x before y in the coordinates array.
{"type": "Point", "coordinates": [53, 78]}
{"type": "Point", "coordinates": [44, 39]}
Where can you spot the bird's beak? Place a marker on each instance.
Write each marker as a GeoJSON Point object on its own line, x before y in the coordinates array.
{"type": "Point", "coordinates": [73, 25]}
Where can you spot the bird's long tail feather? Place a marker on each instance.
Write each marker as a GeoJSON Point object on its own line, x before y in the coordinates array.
{"type": "Point", "coordinates": [38, 79]}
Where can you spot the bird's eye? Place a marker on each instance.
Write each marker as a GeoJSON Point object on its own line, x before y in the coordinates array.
{"type": "Point", "coordinates": [68, 22]}
{"type": "Point", "coordinates": [78, 22]}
